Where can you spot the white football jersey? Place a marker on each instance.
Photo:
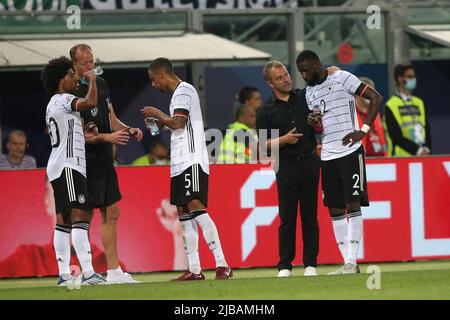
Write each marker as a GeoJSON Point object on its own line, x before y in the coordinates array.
{"type": "Point", "coordinates": [66, 136]}
{"type": "Point", "coordinates": [335, 99]}
{"type": "Point", "coordinates": [188, 145]}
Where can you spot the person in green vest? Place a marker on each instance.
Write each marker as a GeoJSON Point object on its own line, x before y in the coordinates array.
{"type": "Point", "coordinates": [407, 127]}
{"type": "Point", "coordinates": [158, 154]}
{"type": "Point", "coordinates": [240, 137]}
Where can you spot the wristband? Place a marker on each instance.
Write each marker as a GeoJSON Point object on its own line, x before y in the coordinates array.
{"type": "Point", "coordinates": [365, 128]}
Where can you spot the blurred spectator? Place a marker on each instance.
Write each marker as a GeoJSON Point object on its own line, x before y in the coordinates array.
{"type": "Point", "coordinates": [250, 97]}
{"type": "Point", "coordinates": [375, 141]}
{"type": "Point", "coordinates": [158, 154]}
{"type": "Point", "coordinates": [408, 130]}
{"type": "Point", "coordinates": [16, 157]}
{"type": "Point", "coordinates": [240, 137]}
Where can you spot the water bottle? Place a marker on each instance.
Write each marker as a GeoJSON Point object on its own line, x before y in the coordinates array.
{"type": "Point", "coordinates": [98, 71]}
{"type": "Point", "coordinates": [150, 123]}
{"type": "Point", "coordinates": [319, 126]}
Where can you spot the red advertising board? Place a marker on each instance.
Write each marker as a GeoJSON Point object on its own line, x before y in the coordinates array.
{"type": "Point", "coordinates": [409, 218]}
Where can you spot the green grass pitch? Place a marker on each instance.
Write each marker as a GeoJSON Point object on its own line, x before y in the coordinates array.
{"type": "Point", "coordinates": [407, 280]}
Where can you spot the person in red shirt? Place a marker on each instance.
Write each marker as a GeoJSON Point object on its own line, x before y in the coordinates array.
{"type": "Point", "coordinates": [375, 141]}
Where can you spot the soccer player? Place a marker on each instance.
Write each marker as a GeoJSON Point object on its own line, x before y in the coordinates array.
{"type": "Point", "coordinates": [343, 166]}
{"type": "Point", "coordinates": [189, 167]}
{"type": "Point", "coordinates": [103, 185]}
{"type": "Point", "coordinates": [66, 168]}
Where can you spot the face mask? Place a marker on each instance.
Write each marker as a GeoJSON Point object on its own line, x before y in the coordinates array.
{"type": "Point", "coordinates": [410, 84]}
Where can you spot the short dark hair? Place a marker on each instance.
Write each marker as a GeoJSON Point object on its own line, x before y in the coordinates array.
{"type": "Point", "coordinates": [246, 93]}
{"type": "Point", "coordinates": [161, 64]}
{"type": "Point", "coordinates": [74, 49]}
{"type": "Point", "coordinates": [54, 72]}
{"type": "Point", "coordinates": [241, 111]}
{"type": "Point", "coordinates": [307, 55]}
{"type": "Point", "coordinates": [400, 69]}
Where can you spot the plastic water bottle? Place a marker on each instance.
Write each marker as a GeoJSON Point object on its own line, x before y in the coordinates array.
{"type": "Point", "coordinates": [319, 126]}
{"type": "Point", "coordinates": [150, 123]}
{"type": "Point", "coordinates": [98, 71]}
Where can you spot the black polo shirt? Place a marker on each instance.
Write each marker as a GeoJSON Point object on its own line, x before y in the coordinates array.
{"type": "Point", "coordinates": [98, 154]}
{"type": "Point", "coordinates": [285, 116]}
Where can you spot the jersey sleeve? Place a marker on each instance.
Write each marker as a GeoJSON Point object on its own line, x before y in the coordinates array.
{"type": "Point", "coordinates": [66, 102]}
{"type": "Point", "coordinates": [350, 82]}
{"type": "Point", "coordinates": [182, 101]}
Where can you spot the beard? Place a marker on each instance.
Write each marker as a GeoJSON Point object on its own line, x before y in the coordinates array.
{"type": "Point", "coordinates": [314, 80]}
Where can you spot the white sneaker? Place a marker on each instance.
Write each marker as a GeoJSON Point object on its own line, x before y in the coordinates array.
{"type": "Point", "coordinates": [336, 272]}
{"type": "Point", "coordinates": [310, 272]}
{"type": "Point", "coordinates": [348, 268]}
{"type": "Point", "coordinates": [95, 279]}
{"type": "Point", "coordinates": [284, 273]}
{"type": "Point", "coordinates": [71, 282]}
{"type": "Point", "coordinates": [120, 277]}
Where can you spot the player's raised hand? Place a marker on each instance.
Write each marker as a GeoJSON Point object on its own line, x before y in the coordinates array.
{"type": "Point", "coordinates": [332, 69]}
{"type": "Point", "coordinates": [120, 137]}
{"type": "Point", "coordinates": [136, 132]}
{"type": "Point", "coordinates": [292, 136]}
{"type": "Point", "coordinates": [149, 111]}
{"type": "Point", "coordinates": [90, 76]}
{"type": "Point", "coordinates": [353, 137]}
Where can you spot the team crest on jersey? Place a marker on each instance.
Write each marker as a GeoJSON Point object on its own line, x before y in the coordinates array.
{"type": "Point", "coordinates": [94, 111]}
{"type": "Point", "coordinates": [81, 198]}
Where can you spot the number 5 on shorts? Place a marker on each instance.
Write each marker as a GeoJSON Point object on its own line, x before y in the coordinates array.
{"type": "Point", "coordinates": [187, 180]}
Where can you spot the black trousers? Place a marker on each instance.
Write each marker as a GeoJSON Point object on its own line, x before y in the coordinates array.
{"type": "Point", "coordinates": [298, 181]}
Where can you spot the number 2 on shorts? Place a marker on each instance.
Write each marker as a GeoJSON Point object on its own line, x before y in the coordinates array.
{"type": "Point", "coordinates": [356, 177]}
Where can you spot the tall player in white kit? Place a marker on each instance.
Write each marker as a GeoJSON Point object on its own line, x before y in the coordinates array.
{"type": "Point", "coordinates": [66, 168]}
{"type": "Point", "coordinates": [331, 98]}
{"type": "Point", "coordinates": [189, 167]}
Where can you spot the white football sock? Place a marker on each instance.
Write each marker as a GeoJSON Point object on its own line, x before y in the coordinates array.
{"type": "Point", "coordinates": [61, 243]}
{"type": "Point", "coordinates": [190, 238]}
{"type": "Point", "coordinates": [211, 236]}
{"type": "Point", "coordinates": [340, 227]}
{"type": "Point", "coordinates": [355, 230]}
{"type": "Point", "coordinates": [80, 241]}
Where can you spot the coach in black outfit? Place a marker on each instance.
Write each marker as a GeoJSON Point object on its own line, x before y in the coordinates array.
{"type": "Point", "coordinates": [103, 185]}
{"type": "Point", "coordinates": [298, 167]}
